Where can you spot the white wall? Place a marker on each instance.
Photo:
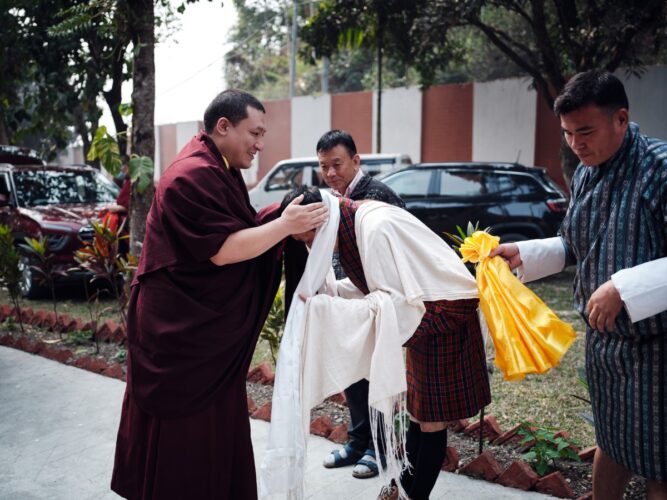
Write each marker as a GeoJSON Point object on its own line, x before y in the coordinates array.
{"type": "Point", "coordinates": [185, 131]}
{"type": "Point", "coordinates": [311, 117]}
{"type": "Point", "coordinates": [648, 100]}
{"type": "Point", "coordinates": [73, 154]}
{"type": "Point", "coordinates": [401, 121]}
{"type": "Point", "coordinates": [504, 114]}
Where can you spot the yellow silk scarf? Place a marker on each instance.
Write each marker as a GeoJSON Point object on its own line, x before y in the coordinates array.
{"type": "Point", "coordinates": [528, 336]}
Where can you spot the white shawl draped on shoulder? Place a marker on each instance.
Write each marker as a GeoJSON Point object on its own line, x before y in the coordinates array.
{"type": "Point", "coordinates": [331, 341]}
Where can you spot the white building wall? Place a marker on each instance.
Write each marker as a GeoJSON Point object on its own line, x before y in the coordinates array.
{"type": "Point", "coordinates": [504, 114]}
{"type": "Point", "coordinates": [157, 160]}
{"type": "Point", "coordinates": [185, 131]}
{"type": "Point", "coordinates": [71, 155]}
{"type": "Point", "coordinates": [401, 121]}
{"type": "Point", "coordinates": [648, 100]}
{"type": "Point", "coordinates": [311, 117]}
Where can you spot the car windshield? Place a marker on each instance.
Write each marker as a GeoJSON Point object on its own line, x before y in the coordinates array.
{"type": "Point", "coordinates": [50, 187]}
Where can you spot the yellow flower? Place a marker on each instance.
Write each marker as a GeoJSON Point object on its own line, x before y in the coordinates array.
{"type": "Point", "coordinates": [478, 246]}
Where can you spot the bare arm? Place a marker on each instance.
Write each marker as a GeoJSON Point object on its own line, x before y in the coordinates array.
{"type": "Point", "coordinates": [249, 243]}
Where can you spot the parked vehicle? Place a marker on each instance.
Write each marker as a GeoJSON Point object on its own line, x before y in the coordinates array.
{"type": "Point", "coordinates": [16, 155]}
{"type": "Point", "coordinates": [515, 201]}
{"type": "Point", "coordinates": [53, 201]}
{"type": "Point", "coordinates": [288, 174]}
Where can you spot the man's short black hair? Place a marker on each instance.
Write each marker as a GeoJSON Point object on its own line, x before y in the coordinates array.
{"type": "Point", "coordinates": [233, 105]}
{"type": "Point", "coordinates": [333, 138]}
{"type": "Point", "coordinates": [596, 87]}
{"type": "Point", "coordinates": [310, 195]}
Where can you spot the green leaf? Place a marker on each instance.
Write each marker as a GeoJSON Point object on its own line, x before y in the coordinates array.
{"type": "Point", "coordinates": [125, 109]}
{"type": "Point", "coordinates": [562, 444]}
{"type": "Point", "coordinates": [141, 172]}
{"type": "Point", "coordinates": [105, 148]}
{"type": "Point", "coordinates": [541, 468]}
{"type": "Point", "coordinates": [461, 232]}
{"type": "Point", "coordinates": [530, 456]}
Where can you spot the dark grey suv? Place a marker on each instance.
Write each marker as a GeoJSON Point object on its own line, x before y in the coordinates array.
{"type": "Point", "coordinates": [515, 201]}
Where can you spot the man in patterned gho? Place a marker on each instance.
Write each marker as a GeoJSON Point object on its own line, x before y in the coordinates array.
{"type": "Point", "coordinates": [615, 230]}
{"type": "Point", "coordinates": [445, 361]}
{"type": "Point", "coordinates": [340, 168]}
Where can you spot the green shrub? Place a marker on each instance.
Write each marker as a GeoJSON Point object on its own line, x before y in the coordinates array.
{"type": "Point", "coordinates": [547, 447]}
{"type": "Point", "coordinates": [10, 275]}
{"type": "Point", "coordinates": [272, 332]}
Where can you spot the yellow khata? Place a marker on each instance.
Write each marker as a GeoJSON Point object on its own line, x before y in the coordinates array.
{"type": "Point", "coordinates": [527, 335]}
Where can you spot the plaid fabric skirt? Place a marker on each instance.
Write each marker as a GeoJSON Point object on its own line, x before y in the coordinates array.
{"type": "Point", "coordinates": [446, 363]}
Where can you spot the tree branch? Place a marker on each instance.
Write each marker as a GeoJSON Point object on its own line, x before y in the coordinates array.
{"type": "Point", "coordinates": [568, 15]}
{"type": "Point", "coordinates": [648, 22]}
{"type": "Point", "coordinates": [533, 70]}
{"type": "Point", "coordinates": [549, 57]}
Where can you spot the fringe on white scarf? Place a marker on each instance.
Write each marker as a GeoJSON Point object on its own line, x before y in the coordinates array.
{"type": "Point", "coordinates": [394, 429]}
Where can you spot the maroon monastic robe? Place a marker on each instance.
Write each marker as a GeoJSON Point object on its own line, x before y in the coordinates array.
{"type": "Point", "coordinates": [192, 329]}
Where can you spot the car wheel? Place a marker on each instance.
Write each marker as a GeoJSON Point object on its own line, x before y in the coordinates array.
{"type": "Point", "coordinates": [27, 285]}
{"type": "Point", "coordinates": [513, 237]}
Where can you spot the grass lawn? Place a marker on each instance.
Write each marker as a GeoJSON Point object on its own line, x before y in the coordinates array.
{"type": "Point", "coordinates": [71, 299]}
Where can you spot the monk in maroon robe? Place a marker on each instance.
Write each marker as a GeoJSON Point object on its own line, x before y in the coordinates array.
{"type": "Point", "coordinates": [204, 286]}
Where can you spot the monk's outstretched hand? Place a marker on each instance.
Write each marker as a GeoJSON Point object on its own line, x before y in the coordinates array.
{"type": "Point", "coordinates": [300, 219]}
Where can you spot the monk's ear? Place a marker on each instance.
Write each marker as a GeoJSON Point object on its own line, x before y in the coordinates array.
{"type": "Point", "coordinates": [223, 125]}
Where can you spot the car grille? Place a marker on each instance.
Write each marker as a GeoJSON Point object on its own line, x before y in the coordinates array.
{"type": "Point", "coordinates": [56, 241]}
{"type": "Point", "coordinates": [86, 234]}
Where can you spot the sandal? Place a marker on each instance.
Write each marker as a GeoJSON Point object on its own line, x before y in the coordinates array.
{"type": "Point", "coordinates": [340, 458]}
{"type": "Point", "coordinates": [366, 467]}
{"type": "Point", "coordinates": [389, 492]}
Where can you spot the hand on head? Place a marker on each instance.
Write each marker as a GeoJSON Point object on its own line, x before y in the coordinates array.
{"type": "Point", "coordinates": [300, 219]}
{"type": "Point", "coordinates": [509, 252]}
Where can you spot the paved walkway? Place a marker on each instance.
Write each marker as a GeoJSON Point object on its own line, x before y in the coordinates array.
{"type": "Point", "coordinates": [58, 428]}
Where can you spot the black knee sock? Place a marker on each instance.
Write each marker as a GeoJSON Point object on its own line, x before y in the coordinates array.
{"type": "Point", "coordinates": [412, 441]}
{"type": "Point", "coordinates": [432, 451]}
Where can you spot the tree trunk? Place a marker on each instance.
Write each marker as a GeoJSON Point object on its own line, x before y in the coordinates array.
{"type": "Point", "coordinates": [142, 19]}
{"type": "Point", "coordinates": [4, 137]}
{"type": "Point", "coordinates": [82, 130]}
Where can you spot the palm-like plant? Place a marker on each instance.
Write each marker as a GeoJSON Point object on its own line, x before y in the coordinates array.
{"type": "Point", "coordinates": [10, 275]}
{"type": "Point", "coordinates": [44, 266]}
{"type": "Point", "coordinates": [103, 260]}
{"type": "Point", "coordinates": [273, 328]}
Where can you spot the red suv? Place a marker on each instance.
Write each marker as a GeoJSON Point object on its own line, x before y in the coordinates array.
{"type": "Point", "coordinates": [53, 201]}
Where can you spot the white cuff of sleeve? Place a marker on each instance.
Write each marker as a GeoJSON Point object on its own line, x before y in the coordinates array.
{"type": "Point", "coordinates": [540, 258]}
{"type": "Point", "coordinates": [643, 288]}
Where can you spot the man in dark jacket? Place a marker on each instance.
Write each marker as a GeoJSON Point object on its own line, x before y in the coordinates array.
{"type": "Point", "coordinates": [340, 169]}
